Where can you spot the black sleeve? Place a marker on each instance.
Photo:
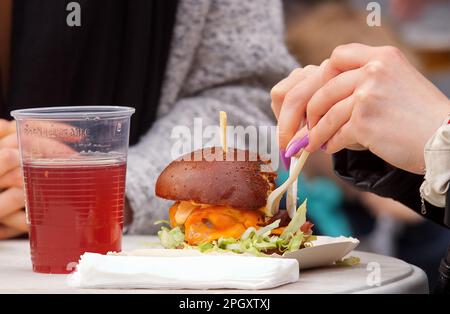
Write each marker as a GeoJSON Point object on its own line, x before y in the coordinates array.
{"type": "Point", "coordinates": [370, 173]}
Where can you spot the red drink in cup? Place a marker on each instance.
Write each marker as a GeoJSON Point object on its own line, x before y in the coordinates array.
{"type": "Point", "coordinates": [74, 167]}
{"type": "Point", "coordinates": [73, 209]}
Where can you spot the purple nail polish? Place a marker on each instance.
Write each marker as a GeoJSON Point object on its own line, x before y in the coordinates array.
{"type": "Point", "coordinates": [296, 146]}
{"type": "Point", "coordinates": [323, 147]}
{"type": "Point", "coordinates": [286, 161]}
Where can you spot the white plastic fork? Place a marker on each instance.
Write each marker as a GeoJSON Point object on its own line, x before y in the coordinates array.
{"type": "Point", "coordinates": [291, 194]}
{"type": "Point", "coordinates": [273, 201]}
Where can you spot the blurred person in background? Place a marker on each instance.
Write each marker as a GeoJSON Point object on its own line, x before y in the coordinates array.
{"type": "Point", "coordinates": [314, 30]}
{"type": "Point", "coordinates": [172, 60]}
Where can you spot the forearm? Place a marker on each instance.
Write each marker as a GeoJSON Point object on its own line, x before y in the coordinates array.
{"type": "Point", "coordinates": [370, 173]}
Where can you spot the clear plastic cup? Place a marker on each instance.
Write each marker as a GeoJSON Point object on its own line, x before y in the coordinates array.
{"type": "Point", "coordinates": [74, 167]}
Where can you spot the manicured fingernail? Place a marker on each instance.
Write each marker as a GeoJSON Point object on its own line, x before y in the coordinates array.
{"type": "Point", "coordinates": [323, 147]}
{"type": "Point", "coordinates": [286, 161]}
{"type": "Point", "coordinates": [296, 146]}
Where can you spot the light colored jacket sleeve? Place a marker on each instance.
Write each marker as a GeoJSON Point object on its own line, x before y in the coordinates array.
{"type": "Point", "coordinates": [437, 164]}
{"type": "Point", "coordinates": [240, 56]}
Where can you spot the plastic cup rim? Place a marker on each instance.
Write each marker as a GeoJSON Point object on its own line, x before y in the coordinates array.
{"type": "Point", "coordinates": [73, 112]}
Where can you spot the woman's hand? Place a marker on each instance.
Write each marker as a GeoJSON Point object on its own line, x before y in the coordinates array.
{"type": "Point", "coordinates": [12, 201]}
{"type": "Point", "coordinates": [372, 98]}
{"type": "Point", "coordinates": [289, 99]}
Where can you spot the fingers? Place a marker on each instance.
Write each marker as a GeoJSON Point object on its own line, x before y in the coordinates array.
{"type": "Point", "coordinates": [329, 125]}
{"type": "Point", "coordinates": [297, 143]}
{"type": "Point", "coordinates": [9, 141]}
{"type": "Point", "coordinates": [46, 147]}
{"type": "Point", "coordinates": [8, 232]}
{"type": "Point", "coordinates": [279, 91]}
{"type": "Point", "coordinates": [7, 127]}
{"type": "Point", "coordinates": [348, 57]}
{"type": "Point", "coordinates": [293, 110]}
{"type": "Point", "coordinates": [9, 159]}
{"type": "Point", "coordinates": [12, 178]}
{"type": "Point", "coordinates": [335, 90]}
{"type": "Point", "coordinates": [16, 221]}
{"type": "Point", "coordinates": [343, 138]}
{"type": "Point", "coordinates": [11, 200]}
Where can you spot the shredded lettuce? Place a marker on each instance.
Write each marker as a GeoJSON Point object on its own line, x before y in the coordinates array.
{"type": "Point", "coordinates": [171, 238]}
{"type": "Point", "coordinates": [162, 222]}
{"type": "Point", "coordinates": [296, 222]}
{"type": "Point", "coordinates": [205, 247]}
{"type": "Point", "coordinates": [256, 242]}
{"type": "Point", "coordinates": [295, 242]}
{"type": "Point", "coordinates": [268, 229]}
{"type": "Point", "coordinates": [349, 261]}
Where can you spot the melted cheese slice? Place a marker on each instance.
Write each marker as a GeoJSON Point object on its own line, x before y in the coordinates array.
{"type": "Point", "coordinates": [206, 223]}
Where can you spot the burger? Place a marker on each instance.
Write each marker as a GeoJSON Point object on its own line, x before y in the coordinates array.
{"type": "Point", "coordinates": [220, 204]}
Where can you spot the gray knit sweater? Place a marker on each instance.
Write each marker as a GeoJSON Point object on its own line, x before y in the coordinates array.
{"type": "Point", "coordinates": [225, 55]}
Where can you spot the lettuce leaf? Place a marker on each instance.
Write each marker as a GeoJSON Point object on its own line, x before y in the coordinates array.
{"type": "Point", "coordinates": [162, 222]}
{"type": "Point", "coordinates": [295, 242]}
{"type": "Point", "coordinates": [296, 222]}
{"type": "Point", "coordinates": [171, 238]}
{"type": "Point", "coordinates": [349, 261]}
{"type": "Point", "coordinates": [253, 241]}
{"type": "Point", "coordinates": [268, 229]}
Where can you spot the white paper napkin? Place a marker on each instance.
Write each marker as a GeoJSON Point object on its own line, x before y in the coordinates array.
{"type": "Point", "coordinates": [193, 272]}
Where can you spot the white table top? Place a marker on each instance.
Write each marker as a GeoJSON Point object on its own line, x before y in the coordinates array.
{"type": "Point", "coordinates": [396, 276]}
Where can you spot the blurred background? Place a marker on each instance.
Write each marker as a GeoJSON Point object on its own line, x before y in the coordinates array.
{"type": "Point", "coordinates": [421, 29]}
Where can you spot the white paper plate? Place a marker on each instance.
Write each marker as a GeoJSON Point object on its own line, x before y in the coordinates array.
{"type": "Point", "coordinates": [325, 251]}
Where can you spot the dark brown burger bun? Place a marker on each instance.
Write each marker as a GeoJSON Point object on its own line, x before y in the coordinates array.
{"type": "Point", "coordinates": [208, 176]}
